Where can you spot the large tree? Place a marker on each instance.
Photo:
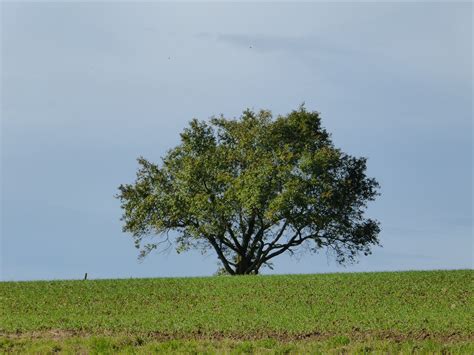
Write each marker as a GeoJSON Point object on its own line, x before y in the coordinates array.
{"type": "Point", "coordinates": [251, 189]}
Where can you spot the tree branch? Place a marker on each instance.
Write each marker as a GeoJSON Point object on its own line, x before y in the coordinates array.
{"type": "Point", "coordinates": [228, 244]}
{"type": "Point", "coordinates": [234, 238]}
{"type": "Point", "coordinates": [256, 263]}
{"type": "Point", "coordinates": [221, 256]}
{"type": "Point", "coordinates": [249, 232]}
{"type": "Point", "coordinates": [258, 237]}
{"type": "Point", "coordinates": [279, 235]}
{"type": "Point", "coordinates": [294, 241]}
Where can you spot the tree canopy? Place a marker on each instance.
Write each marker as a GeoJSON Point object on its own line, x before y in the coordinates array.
{"type": "Point", "coordinates": [250, 189]}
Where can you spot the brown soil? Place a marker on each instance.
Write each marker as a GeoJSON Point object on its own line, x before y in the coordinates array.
{"type": "Point", "coordinates": [57, 334]}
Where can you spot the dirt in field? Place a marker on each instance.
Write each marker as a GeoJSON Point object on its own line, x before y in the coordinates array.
{"type": "Point", "coordinates": [355, 334]}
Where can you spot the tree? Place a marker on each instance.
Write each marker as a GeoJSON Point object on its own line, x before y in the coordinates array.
{"type": "Point", "coordinates": [251, 189]}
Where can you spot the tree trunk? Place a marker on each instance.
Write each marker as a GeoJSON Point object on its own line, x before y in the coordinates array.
{"type": "Point", "coordinates": [243, 265]}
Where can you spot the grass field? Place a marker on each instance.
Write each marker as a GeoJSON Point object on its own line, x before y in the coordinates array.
{"type": "Point", "coordinates": [424, 311]}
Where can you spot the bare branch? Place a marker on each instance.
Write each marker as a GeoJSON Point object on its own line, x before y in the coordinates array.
{"type": "Point", "coordinates": [221, 256]}
{"type": "Point", "coordinates": [234, 238]}
{"type": "Point", "coordinates": [279, 235]}
{"type": "Point", "coordinates": [296, 240]}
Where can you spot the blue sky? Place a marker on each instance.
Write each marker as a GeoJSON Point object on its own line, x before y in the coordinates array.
{"type": "Point", "coordinates": [88, 87]}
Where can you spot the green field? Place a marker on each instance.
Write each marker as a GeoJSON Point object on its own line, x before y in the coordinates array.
{"type": "Point", "coordinates": [425, 311]}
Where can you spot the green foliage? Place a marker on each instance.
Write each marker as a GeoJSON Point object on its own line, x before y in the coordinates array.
{"type": "Point", "coordinates": [251, 189]}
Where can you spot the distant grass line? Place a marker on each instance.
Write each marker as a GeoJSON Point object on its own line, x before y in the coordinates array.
{"type": "Point", "coordinates": [421, 306]}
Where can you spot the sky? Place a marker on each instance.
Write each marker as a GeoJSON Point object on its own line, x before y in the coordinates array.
{"type": "Point", "coordinates": [88, 87]}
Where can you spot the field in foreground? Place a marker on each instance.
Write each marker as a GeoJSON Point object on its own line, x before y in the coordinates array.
{"type": "Point", "coordinates": [394, 311]}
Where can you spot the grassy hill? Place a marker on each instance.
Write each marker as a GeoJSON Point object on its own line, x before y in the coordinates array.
{"type": "Point", "coordinates": [390, 311]}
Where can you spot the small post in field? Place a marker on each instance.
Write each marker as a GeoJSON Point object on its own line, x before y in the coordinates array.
{"type": "Point", "coordinates": [85, 277]}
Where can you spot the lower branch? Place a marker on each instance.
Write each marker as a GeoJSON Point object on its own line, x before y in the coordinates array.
{"type": "Point", "coordinates": [221, 256]}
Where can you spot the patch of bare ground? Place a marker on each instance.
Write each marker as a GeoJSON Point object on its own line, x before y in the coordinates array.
{"type": "Point", "coordinates": [355, 334]}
